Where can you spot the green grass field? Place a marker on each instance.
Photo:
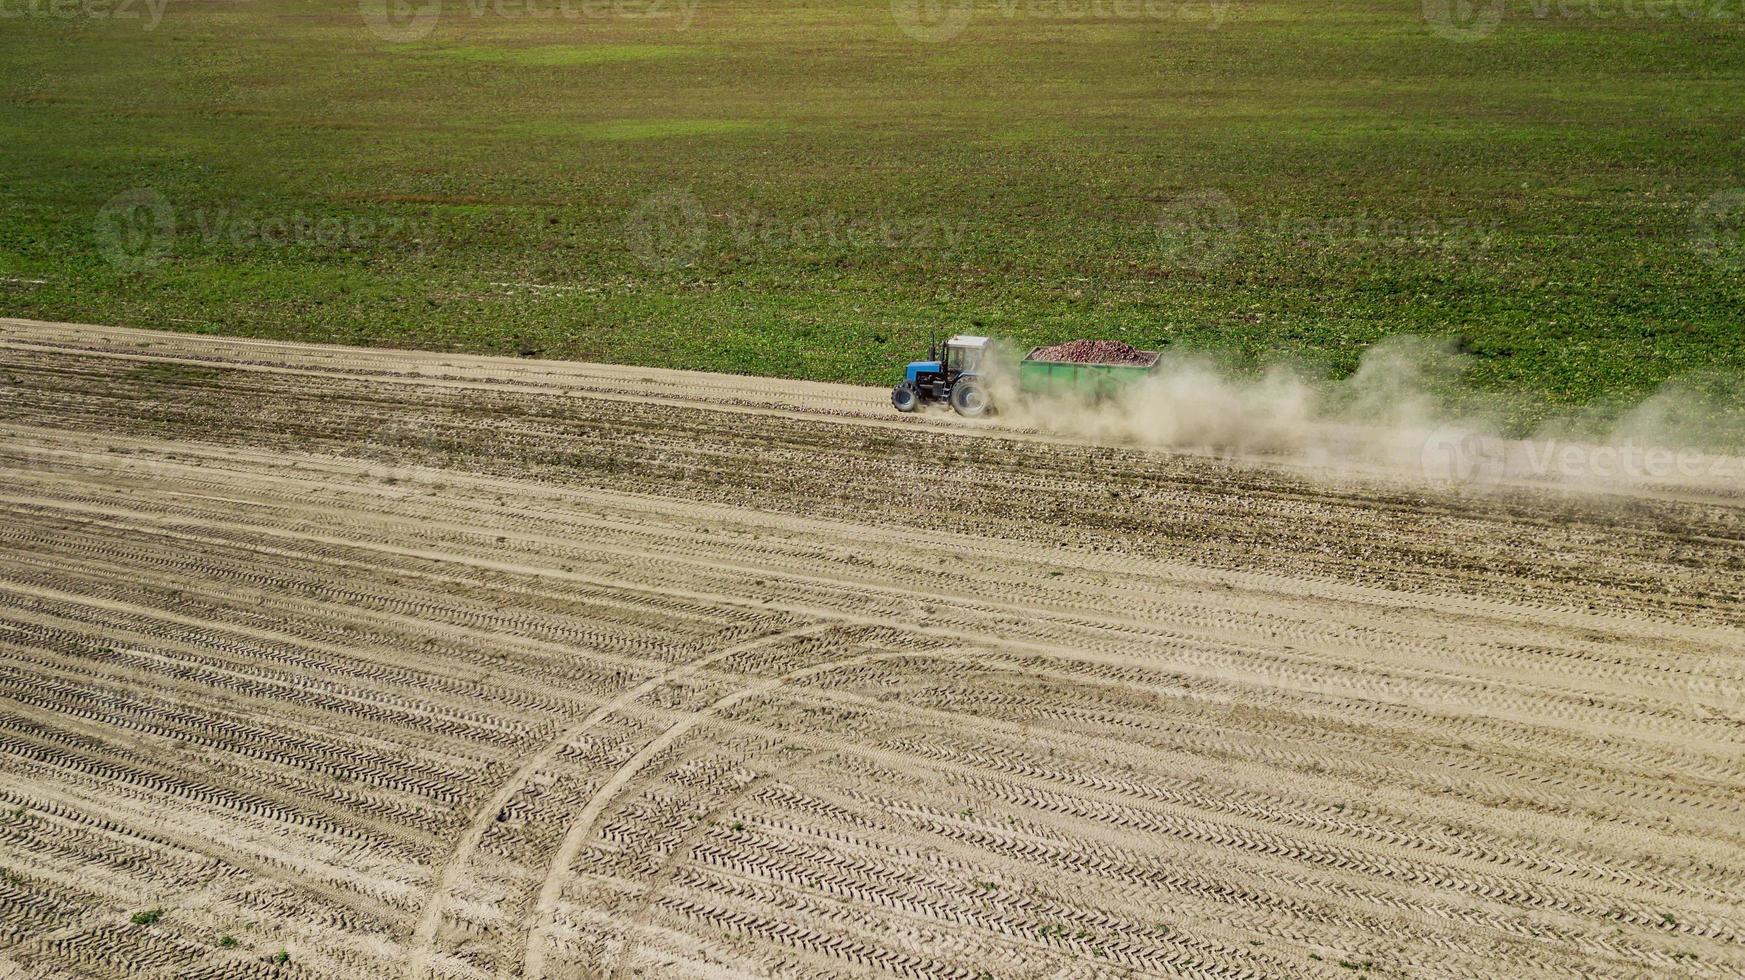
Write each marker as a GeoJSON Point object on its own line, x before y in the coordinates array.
{"type": "Point", "coordinates": [796, 188]}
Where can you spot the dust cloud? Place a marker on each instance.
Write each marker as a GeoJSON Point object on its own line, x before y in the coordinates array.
{"type": "Point", "coordinates": [1405, 412]}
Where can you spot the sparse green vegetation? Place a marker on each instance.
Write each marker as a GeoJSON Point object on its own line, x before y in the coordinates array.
{"type": "Point", "coordinates": [147, 917]}
{"type": "Point", "coordinates": [807, 191]}
{"type": "Point", "coordinates": [226, 942]}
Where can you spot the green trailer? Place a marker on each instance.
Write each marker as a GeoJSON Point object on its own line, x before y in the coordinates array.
{"type": "Point", "coordinates": [1084, 382]}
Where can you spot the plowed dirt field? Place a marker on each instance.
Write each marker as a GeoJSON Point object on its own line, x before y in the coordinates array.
{"type": "Point", "coordinates": [422, 665]}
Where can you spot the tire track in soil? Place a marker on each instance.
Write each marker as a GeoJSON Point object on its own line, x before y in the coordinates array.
{"type": "Point", "coordinates": [1452, 734]}
{"type": "Point", "coordinates": [539, 921]}
{"type": "Point", "coordinates": [454, 866]}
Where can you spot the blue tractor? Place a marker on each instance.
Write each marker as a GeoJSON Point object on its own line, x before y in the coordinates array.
{"type": "Point", "coordinates": [952, 375]}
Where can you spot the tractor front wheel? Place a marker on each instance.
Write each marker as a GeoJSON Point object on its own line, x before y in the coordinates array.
{"type": "Point", "coordinates": [970, 399]}
{"type": "Point", "coordinates": [904, 398]}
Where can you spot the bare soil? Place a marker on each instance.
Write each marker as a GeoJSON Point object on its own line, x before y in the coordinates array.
{"type": "Point", "coordinates": [416, 665]}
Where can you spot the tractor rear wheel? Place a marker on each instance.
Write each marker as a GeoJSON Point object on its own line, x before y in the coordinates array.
{"type": "Point", "coordinates": [904, 398]}
{"type": "Point", "coordinates": [970, 399]}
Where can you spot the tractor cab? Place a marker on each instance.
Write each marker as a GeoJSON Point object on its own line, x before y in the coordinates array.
{"type": "Point", "coordinates": [951, 374]}
{"type": "Point", "coordinates": [963, 354]}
